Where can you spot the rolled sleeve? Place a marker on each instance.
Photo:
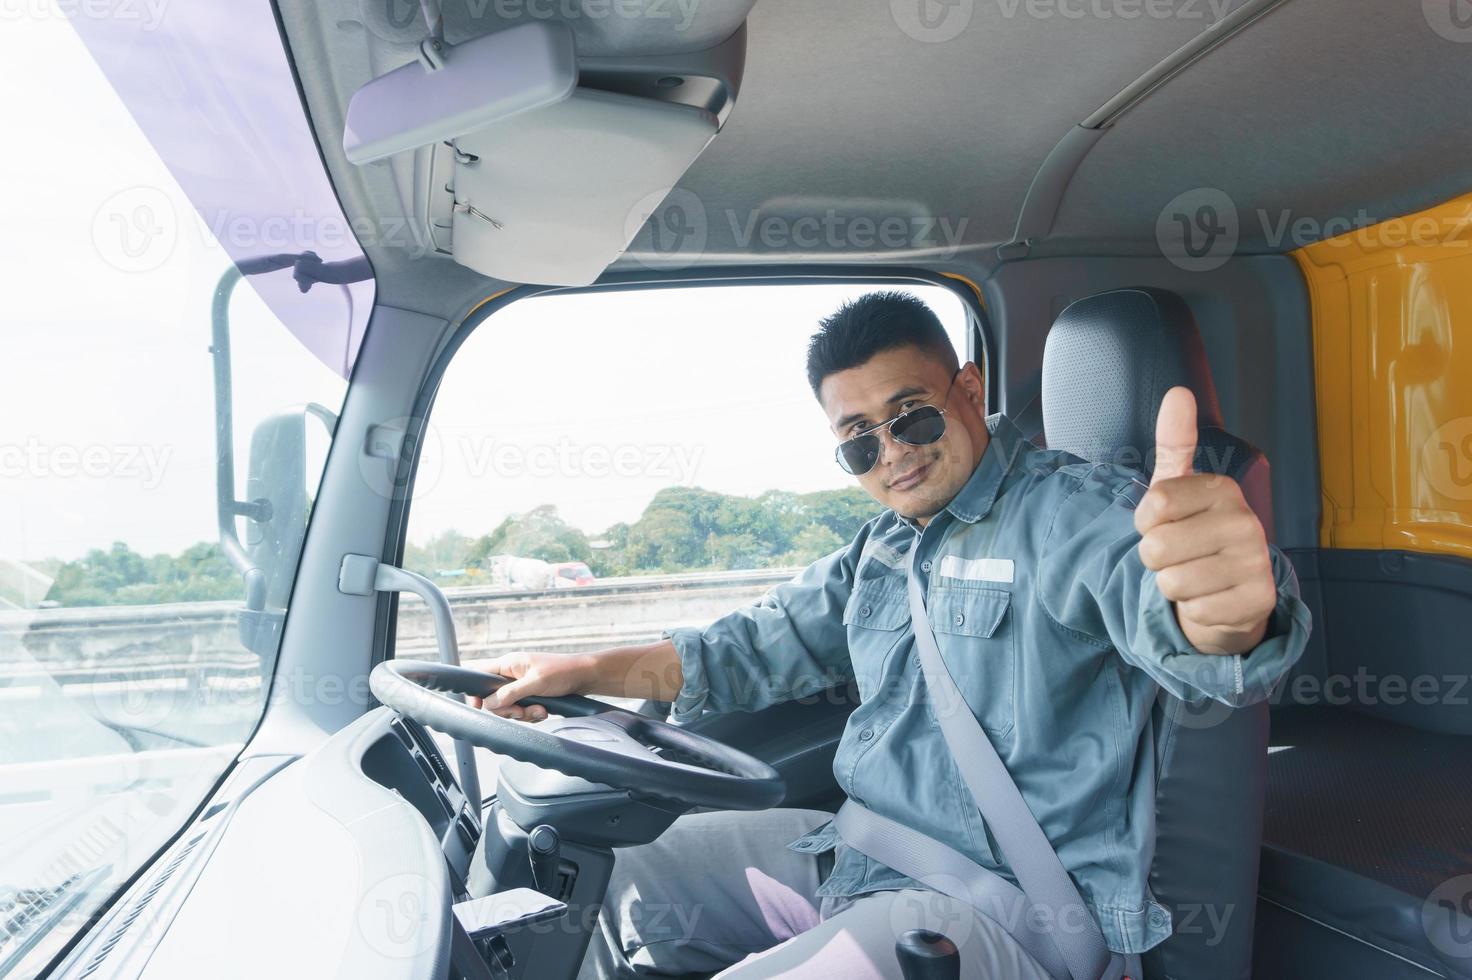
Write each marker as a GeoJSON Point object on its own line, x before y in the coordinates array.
{"type": "Point", "coordinates": [690, 702]}
{"type": "Point", "coordinates": [1235, 679]}
{"type": "Point", "coordinates": [789, 644]}
{"type": "Point", "coordinates": [1094, 585]}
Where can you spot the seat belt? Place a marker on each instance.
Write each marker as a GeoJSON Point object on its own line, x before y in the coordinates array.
{"type": "Point", "coordinates": [946, 870]}
{"type": "Point", "coordinates": [1079, 951]}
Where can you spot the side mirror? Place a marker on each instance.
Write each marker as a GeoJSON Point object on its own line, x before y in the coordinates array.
{"type": "Point", "coordinates": [276, 504]}
{"type": "Point", "coordinates": [277, 494]}
{"type": "Point", "coordinates": [275, 510]}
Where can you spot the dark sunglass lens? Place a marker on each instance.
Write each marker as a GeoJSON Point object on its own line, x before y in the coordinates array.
{"type": "Point", "coordinates": [921, 427]}
{"type": "Point", "coordinates": [858, 455]}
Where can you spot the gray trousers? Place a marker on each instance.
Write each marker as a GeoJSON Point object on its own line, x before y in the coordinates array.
{"type": "Point", "coordinates": [721, 893]}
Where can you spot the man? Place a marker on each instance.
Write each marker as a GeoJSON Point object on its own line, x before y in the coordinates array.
{"type": "Point", "coordinates": [1063, 596]}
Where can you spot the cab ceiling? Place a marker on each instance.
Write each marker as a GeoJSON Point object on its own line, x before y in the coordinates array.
{"type": "Point", "coordinates": [1316, 110]}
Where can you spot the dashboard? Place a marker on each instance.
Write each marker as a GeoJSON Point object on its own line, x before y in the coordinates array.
{"type": "Point", "coordinates": [408, 762]}
{"type": "Point", "coordinates": [344, 862]}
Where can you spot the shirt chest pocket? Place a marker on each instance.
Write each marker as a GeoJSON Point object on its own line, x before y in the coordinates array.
{"type": "Point", "coordinates": [975, 632]}
{"type": "Point", "coordinates": [877, 617]}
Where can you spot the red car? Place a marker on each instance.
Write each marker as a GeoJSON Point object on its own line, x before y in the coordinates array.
{"type": "Point", "coordinates": [570, 574]}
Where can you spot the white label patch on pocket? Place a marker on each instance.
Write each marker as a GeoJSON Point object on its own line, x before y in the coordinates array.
{"type": "Point", "coordinates": [882, 553]}
{"type": "Point", "coordinates": [977, 569]}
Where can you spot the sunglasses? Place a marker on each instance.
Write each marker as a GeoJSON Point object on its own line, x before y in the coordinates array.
{"type": "Point", "coordinates": [918, 427]}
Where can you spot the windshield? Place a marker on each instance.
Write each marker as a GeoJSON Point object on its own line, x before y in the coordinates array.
{"type": "Point", "coordinates": [163, 427]}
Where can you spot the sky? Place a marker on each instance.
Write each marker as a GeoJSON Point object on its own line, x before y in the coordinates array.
{"type": "Point", "coordinates": [596, 402]}
{"type": "Point", "coordinates": [592, 402]}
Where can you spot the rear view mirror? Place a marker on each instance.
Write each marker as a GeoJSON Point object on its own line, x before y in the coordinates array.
{"type": "Point", "coordinates": [457, 89]}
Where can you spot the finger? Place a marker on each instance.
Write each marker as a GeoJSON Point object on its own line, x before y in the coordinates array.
{"type": "Point", "coordinates": [1198, 577]}
{"type": "Point", "coordinates": [1185, 496]}
{"type": "Point", "coordinates": [503, 666]}
{"type": "Point", "coordinates": [1177, 542]}
{"type": "Point", "coordinates": [517, 712]}
{"type": "Point", "coordinates": [509, 694]}
{"type": "Point", "coordinates": [1175, 434]}
{"type": "Point", "coordinates": [1238, 608]}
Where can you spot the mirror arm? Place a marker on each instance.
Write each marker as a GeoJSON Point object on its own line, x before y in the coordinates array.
{"type": "Point", "coordinates": [432, 48]}
{"type": "Point", "coordinates": [226, 507]}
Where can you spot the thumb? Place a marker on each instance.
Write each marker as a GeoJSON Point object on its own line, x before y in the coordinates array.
{"type": "Point", "coordinates": [1175, 434]}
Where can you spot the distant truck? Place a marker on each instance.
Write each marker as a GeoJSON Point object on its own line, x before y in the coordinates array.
{"type": "Point", "coordinates": [519, 574]}
{"type": "Point", "coordinates": [528, 574]}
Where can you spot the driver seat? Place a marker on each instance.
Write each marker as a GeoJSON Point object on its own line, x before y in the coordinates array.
{"type": "Point", "coordinates": [1108, 361]}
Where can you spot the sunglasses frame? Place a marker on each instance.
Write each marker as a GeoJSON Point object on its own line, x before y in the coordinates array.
{"type": "Point", "coordinates": [874, 431]}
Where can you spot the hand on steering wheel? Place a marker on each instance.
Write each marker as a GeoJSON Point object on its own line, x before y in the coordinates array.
{"type": "Point", "coordinates": [593, 740]}
{"type": "Point", "coordinates": [544, 674]}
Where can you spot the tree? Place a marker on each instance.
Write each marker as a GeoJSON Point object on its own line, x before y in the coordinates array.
{"type": "Point", "coordinates": [121, 576]}
{"type": "Point", "coordinates": [539, 533]}
{"type": "Point", "coordinates": [446, 551]}
{"type": "Point", "coordinates": [681, 529]}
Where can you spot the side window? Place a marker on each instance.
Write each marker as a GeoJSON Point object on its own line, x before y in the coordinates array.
{"type": "Point", "coordinates": [602, 466]}
{"type": "Point", "coordinates": [167, 394]}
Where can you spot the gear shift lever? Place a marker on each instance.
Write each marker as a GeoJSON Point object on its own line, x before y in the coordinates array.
{"type": "Point", "coordinates": [926, 955]}
{"type": "Point", "coordinates": [543, 847]}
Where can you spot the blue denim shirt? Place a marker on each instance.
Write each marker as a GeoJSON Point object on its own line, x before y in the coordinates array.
{"type": "Point", "coordinates": [1056, 634]}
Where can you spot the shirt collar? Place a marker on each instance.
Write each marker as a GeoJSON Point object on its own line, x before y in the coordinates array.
{"type": "Point", "coordinates": [974, 500]}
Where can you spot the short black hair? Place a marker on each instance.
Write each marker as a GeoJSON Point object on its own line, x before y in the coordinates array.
{"type": "Point", "coordinates": [871, 324]}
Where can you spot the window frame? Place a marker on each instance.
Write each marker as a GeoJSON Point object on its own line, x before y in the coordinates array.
{"type": "Point", "coordinates": [980, 342]}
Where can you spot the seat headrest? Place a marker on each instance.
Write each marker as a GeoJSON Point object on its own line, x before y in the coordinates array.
{"type": "Point", "coordinates": [1109, 360]}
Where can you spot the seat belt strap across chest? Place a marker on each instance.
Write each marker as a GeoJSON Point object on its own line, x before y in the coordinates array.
{"type": "Point", "coordinates": [1049, 897]}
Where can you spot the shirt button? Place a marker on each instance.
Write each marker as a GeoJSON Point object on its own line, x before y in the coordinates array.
{"type": "Point", "coordinates": [1157, 917]}
{"type": "Point", "coordinates": [866, 734]}
{"type": "Point", "coordinates": [925, 565]}
{"type": "Point", "coordinates": [863, 610]}
{"type": "Point", "coordinates": [960, 619]}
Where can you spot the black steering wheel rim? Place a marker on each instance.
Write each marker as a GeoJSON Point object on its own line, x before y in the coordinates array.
{"type": "Point", "coordinates": [593, 741]}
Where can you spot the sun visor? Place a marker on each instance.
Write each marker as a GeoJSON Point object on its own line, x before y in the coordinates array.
{"type": "Point", "coordinates": [553, 196]}
{"type": "Point", "coordinates": [523, 177]}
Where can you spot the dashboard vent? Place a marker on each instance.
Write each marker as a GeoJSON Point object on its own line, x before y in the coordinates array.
{"type": "Point", "coordinates": [140, 904]}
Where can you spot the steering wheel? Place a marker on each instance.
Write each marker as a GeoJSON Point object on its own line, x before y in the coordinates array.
{"type": "Point", "coordinates": [593, 740]}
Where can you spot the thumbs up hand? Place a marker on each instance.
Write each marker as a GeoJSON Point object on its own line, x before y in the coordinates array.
{"type": "Point", "coordinates": [1206, 546]}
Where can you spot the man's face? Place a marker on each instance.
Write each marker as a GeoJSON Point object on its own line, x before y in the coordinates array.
{"type": "Point", "coordinates": [914, 481]}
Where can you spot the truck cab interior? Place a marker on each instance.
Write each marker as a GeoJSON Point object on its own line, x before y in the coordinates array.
{"type": "Point", "coordinates": [1267, 201]}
